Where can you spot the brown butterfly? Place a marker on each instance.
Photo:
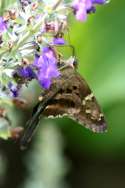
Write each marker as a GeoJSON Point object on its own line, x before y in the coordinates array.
{"type": "Point", "coordinates": [69, 95]}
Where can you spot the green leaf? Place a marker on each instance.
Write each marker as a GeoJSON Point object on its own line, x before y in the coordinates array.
{"type": "Point", "coordinates": [100, 44]}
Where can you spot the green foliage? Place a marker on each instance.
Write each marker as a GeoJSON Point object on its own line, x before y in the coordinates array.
{"type": "Point", "coordinates": [100, 44]}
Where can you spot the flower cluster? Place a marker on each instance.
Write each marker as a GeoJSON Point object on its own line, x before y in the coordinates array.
{"type": "Point", "coordinates": [29, 33]}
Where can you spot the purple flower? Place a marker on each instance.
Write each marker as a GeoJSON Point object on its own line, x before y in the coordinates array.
{"type": "Point", "coordinates": [26, 72]}
{"type": "Point", "coordinates": [46, 67]}
{"type": "Point", "coordinates": [3, 26]}
{"type": "Point", "coordinates": [47, 56]}
{"type": "Point", "coordinates": [14, 89]}
{"type": "Point", "coordinates": [83, 7]}
{"type": "Point", "coordinates": [58, 41]}
{"type": "Point", "coordinates": [46, 73]}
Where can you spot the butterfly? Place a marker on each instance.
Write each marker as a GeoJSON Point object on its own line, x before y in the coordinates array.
{"type": "Point", "coordinates": [69, 95]}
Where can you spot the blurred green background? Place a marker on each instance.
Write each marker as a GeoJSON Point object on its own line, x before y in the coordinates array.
{"type": "Point", "coordinates": [63, 153]}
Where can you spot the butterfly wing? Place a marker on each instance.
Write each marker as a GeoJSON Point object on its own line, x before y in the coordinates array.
{"type": "Point", "coordinates": [76, 101]}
